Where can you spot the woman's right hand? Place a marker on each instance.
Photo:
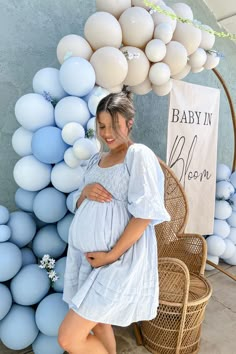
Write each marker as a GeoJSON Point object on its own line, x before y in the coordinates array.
{"type": "Point", "coordinates": [96, 192]}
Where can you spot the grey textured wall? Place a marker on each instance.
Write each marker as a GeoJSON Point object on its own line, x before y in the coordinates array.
{"type": "Point", "coordinates": [30, 31]}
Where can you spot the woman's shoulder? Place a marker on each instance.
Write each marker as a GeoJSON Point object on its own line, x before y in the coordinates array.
{"type": "Point", "coordinates": [139, 150]}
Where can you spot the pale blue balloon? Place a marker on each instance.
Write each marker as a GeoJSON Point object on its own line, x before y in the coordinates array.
{"type": "Point", "coordinates": [92, 124]}
{"type": "Point", "coordinates": [18, 328]}
{"type": "Point", "coordinates": [24, 199]}
{"type": "Point", "coordinates": [48, 145]}
{"type": "Point", "coordinates": [33, 111]}
{"type": "Point", "coordinates": [30, 285]}
{"type": "Point", "coordinates": [87, 97]}
{"type": "Point", "coordinates": [232, 219]}
{"type": "Point", "coordinates": [47, 241]}
{"type": "Point", "coordinates": [94, 99]}
{"type": "Point", "coordinates": [60, 267]}
{"type": "Point", "coordinates": [28, 256]}
{"type": "Point", "coordinates": [63, 227]}
{"type": "Point", "coordinates": [10, 260]}
{"type": "Point", "coordinates": [50, 313]}
{"type": "Point", "coordinates": [71, 109]}
{"type": "Point", "coordinates": [233, 202]}
{"type": "Point", "coordinates": [5, 233]}
{"type": "Point", "coordinates": [46, 345]}
{"type": "Point", "coordinates": [77, 76]}
{"type": "Point", "coordinates": [5, 302]}
{"type": "Point", "coordinates": [233, 179]}
{"type": "Point", "coordinates": [4, 215]}
{"type": "Point", "coordinates": [50, 205]}
{"type": "Point", "coordinates": [69, 201]}
{"type": "Point", "coordinates": [46, 81]}
{"type": "Point", "coordinates": [23, 228]}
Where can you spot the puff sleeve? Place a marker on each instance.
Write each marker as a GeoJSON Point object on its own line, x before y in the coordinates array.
{"type": "Point", "coordinates": [146, 185]}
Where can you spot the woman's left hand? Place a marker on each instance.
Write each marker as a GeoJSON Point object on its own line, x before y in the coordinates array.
{"type": "Point", "coordinates": [98, 259]}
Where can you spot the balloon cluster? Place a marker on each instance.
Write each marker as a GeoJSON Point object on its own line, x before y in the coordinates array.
{"type": "Point", "coordinates": [128, 43]}
{"type": "Point", "coordinates": [222, 244]}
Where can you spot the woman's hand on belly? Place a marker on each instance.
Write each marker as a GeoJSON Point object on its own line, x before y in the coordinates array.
{"type": "Point", "coordinates": [96, 192]}
{"type": "Point", "coordinates": [99, 259]}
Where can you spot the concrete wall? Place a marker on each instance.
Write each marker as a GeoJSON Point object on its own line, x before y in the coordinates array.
{"type": "Point", "coordinates": [30, 31]}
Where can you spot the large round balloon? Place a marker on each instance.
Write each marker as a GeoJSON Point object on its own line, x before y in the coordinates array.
{"type": "Point", "coordinates": [102, 29]}
{"type": "Point", "coordinates": [22, 227]}
{"type": "Point", "coordinates": [4, 215]}
{"type": "Point", "coordinates": [77, 76]}
{"type": "Point", "coordinates": [215, 245]}
{"type": "Point", "coordinates": [46, 345]}
{"type": "Point", "coordinates": [84, 149]}
{"type": "Point", "coordinates": [5, 233]}
{"type": "Point", "coordinates": [159, 18]}
{"type": "Point", "coordinates": [188, 35]}
{"type": "Point", "coordinates": [223, 209]}
{"type": "Point", "coordinates": [47, 241]}
{"type": "Point", "coordinates": [176, 57]}
{"type": "Point", "coordinates": [72, 131]}
{"type": "Point", "coordinates": [63, 227]}
{"type": "Point", "coordinates": [6, 301]}
{"type": "Point", "coordinates": [28, 256]}
{"type": "Point", "coordinates": [50, 205]}
{"type": "Point", "coordinates": [71, 109]}
{"type": "Point", "coordinates": [31, 174]}
{"type": "Point", "coordinates": [223, 172]}
{"type": "Point", "coordinates": [18, 328]}
{"type": "Point", "coordinates": [73, 45]}
{"type": "Point", "coordinates": [110, 66]}
{"type": "Point", "coordinates": [221, 228]}
{"type": "Point", "coordinates": [10, 260]}
{"type": "Point", "coordinates": [98, 94]}
{"type": "Point", "coordinates": [21, 141]}
{"type": "Point", "coordinates": [50, 313]}
{"type": "Point", "coordinates": [137, 27]}
{"type": "Point", "coordinates": [60, 266]}
{"type": "Point", "coordinates": [48, 145]}
{"type": "Point", "coordinates": [33, 111]}
{"type": "Point", "coordinates": [138, 66]}
{"type": "Point", "coordinates": [24, 199]}
{"type": "Point", "coordinates": [114, 7]}
{"type": "Point", "coordinates": [143, 88]}
{"type": "Point", "coordinates": [46, 81]}
{"type": "Point", "coordinates": [164, 32]}
{"type": "Point", "coordinates": [66, 179]}
{"type": "Point", "coordinates": [30, 285]}
{"type": "Point", "coordinates": [159, 74]}
{"type": "Point", "coordinates": [208, 39]}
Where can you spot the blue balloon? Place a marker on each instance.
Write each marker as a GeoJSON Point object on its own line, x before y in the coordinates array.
{"type": "Point", "coordinates": [60, 266]}
{"type": "Point", "coordinates": [10, 260]}
{"type": "Point", "coordinates": [24, 199]}
{"type": "Point", "coordinates": [4, 215]}
{"type": "Point", "coordinates": [50, 314]}
{"type": "Point", "coordinates": [27, 256]}
{"type": "Point", "coordinates": [18, 328]}
{"type": "Point", "coordinates": [47, 241]}
{"type": "Point", "coordinates": [77, 76]}
{"type": "Point", "coordinates": [46, 345]}
{"type": "Point", "coordinates": [63, 226]}
{"type": "Point", "coordinates": [23, 228]}
{"type": "Point", "coordinates": [70, 202]}
{"type": "Point", "coordinates": [48, 145]}
{"type": "Point", "coordinates": [5, 233]}
{"type": "Point", "coordinates": [6, 301]}
{"type": "Point", "coordinates": [30, 285]}
{"type": "Point", "coordinates": [50, 205]}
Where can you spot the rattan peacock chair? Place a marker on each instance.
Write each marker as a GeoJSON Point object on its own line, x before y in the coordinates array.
{"type": "Point", "coordinates": [184, 292]}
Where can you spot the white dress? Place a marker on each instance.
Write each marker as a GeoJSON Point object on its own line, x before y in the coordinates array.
{"type": "Point", "coordinates": [127, 290]}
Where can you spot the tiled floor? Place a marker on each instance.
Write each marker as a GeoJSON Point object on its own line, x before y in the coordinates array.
{"type": "Point", "coordinates": [219, 328]}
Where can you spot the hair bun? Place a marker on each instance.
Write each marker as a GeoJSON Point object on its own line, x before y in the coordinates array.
{"type": "Point", "coordinates": [127, 91]}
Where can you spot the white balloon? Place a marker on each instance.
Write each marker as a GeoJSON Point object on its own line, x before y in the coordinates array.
{"type": "Point", "coordinates": [92, 124]}
{"type": "Point", "coordinates": [21, 141]}
{"type": "Point", "coordinates": [164, 32]}
{"type": "Point", "coordinates": [221, 228]}
{"type": "Point", "coordinates": [70, 158]}
{"type": "Point", "coordinates": [71, 132]}
{"type": "Point", "coordinates": [102, 29]}
{"type": "Point", "coordinates": [138, 66]}
{"type": "Point", "coordinates": [98, 94]}
{"type": "Point", "coordinates": [232, 235]}
{"type": "Point", "coordinates": [223, 210]}
{"type": "Point", "coordinates": [229, 249]}
{"type": "Point", "coordinates": [197, 70]}
{"type": "Point", "coordinates": [155, 50]}
{"type": "Point", "coordinates": [182, 73]}
{"type": "Point", "coordinates": [224, 190]}
{"type": "Point", "coordinates": [231, 260]}
{"type": "Point", "coordinates": [140, 3]}
{"type": "Point", "coordinates": [66, 179]}
{"type": "Point", "coordinates": [143, 88]}
{"type": "Point", "coordinates": [212, 61]}
{"type": "Point", "coordinates": [183, 10]}
{"type": "Point", "coordinates": [213, 259]}
{"type": "Point", "coordinates": [188, 35]}
{"type": "Point", "coordinates": [137, 27]}
{"type": "Point", "coordinates": [176, 57]}
{"type": "Point", "coordinates": [223, 172]}
{"type": "Point", "coordinates": [84, 149]}
{"type": "Point", "coordinates": [114, 7]}
{"type": "Point", "coordinates": [31, 174]}
{"type": "Point", "coordinates": [73, 45]}
{"type": "Point", "coordinates": [159, 74]}
{"type": "Point", "coordinates": [161, 18]}
{"type": "Point", "coordinates": [116, 89]}
{"type": "Point", "coordinates": [110, 66]}
{"type": "Point", "coordinates": [163, 89]}
{"type": "Point", "coordinates": [208, 39]}
{"type": "Point", "coordinates": [198, 58]}
{"type": "Point", "coordinates": [215, 245]}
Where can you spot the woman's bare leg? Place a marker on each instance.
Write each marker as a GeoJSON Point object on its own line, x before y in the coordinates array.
{"type": "Point", "coordinates": [74, 336]}
{"type": "Point", "coordinates": [104, 332]}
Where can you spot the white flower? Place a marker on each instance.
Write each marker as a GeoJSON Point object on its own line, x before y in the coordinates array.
{"type": "Point", "coordinates": [45, 258]}
{"type": "Point", "coordinates": [51, 263]}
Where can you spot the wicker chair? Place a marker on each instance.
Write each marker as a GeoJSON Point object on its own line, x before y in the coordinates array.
{"type": "Point", "coordinates": [184, 292]}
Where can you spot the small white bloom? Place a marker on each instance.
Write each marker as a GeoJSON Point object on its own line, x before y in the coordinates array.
{"type": "Point", "coordinates": [46, 258]}
{"type": "Point", "coordinates": [51, 274]}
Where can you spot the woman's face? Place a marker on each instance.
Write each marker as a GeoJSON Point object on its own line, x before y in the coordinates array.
{"type": "Point", "coordinates": [106, 132]}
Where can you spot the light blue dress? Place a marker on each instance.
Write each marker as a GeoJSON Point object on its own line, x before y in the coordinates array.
{"type": "Point", "coordinates": [127, 290]}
